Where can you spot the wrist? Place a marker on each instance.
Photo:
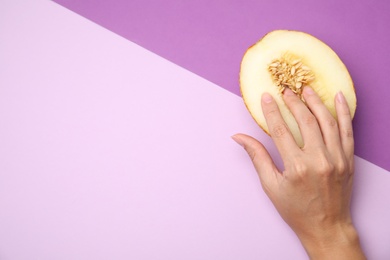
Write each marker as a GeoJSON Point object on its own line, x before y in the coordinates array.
{"type": "Point", "coordinates": [338, 242]}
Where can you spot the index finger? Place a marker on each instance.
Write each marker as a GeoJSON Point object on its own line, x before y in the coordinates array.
{"type": "Point", "coordinates": [278, 128]}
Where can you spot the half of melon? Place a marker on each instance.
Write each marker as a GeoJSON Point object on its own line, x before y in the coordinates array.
{"type": "Point", "coordinates": [291, 59]}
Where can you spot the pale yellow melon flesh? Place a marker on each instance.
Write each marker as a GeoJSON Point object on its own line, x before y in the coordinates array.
{"type": "Point", "coordinates": [330, 74]}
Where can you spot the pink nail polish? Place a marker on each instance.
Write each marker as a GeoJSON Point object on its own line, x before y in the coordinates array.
{"type": "Point", "coordinates": [267, 98]}
{"type": "Point", "coordinates": [340, 98]}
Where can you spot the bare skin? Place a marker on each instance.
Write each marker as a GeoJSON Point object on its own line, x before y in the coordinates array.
{"type": "Point", "coordinates": [313, 193]}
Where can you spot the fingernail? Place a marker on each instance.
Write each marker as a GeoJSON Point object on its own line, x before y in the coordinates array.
{"type": "Point", "coordinates": [267, 98]}
{"type": "Point", "coordinates": [308, 90]}
{"type": "Point", "coordinates": [288, 92]}
{"type": "Point", "coordinates": [238, 140]}
{"type": "Point", "coordinates": [340, 98]}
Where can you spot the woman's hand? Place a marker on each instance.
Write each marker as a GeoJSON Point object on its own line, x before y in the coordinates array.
{"type": "Point", "coordinates": [313, 193]}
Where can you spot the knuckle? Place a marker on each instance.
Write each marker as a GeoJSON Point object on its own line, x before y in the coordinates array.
{"type": "Point", "coordinates": [346, 166]}
{"type": "Point", "coordinates": [341, 168]}
{"type": "Point", "coordinates": [279, 130]}
{"type": "Point", "coordinates": [301, 169]}
{"type": "Point", "coordinates": [331, 122]}
{"type": "Point", "coordinates": [326, 169]}
{"type": "Point", "coordinates": [271, 112]}
{"type": "Point", "coordinates": [252, 154]}
{"type": "Point", "coordinates": [347, 132]}
{"type": "Point", "coordinates": [309, 120]}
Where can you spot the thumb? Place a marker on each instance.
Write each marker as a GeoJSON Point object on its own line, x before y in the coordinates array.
{"type": "Point", "coordinates": [260, 157]}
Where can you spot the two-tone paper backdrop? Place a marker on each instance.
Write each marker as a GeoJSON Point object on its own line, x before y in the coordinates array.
{"type": "Point", "coordinates": [209, 38]}
{"type": "Point", "coordinates": [115, 129]}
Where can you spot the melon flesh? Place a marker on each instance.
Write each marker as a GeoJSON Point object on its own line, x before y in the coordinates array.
{"type": "Point", "coordinates": [330, 74]}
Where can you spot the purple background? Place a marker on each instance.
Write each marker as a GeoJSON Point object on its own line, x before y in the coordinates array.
{"type": "Point", "coordinates": [101, 160]}
{"type": "Point", "coordinates": [209, 38]}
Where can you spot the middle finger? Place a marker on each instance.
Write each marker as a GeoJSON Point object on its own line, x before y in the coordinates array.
{"type": "Point", "coordinates": [328, 125]}
{"type": "Point", "coordinates": [307, 122]}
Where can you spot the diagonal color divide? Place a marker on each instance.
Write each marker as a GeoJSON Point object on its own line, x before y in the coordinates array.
{"type": "Point", "coordinates": [101, 159]}
{"type": "Point", "coordinates": [210, 37]}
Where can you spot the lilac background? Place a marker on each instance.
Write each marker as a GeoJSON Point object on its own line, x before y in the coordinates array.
{"type": "Point", "coordinates": [209, 38]}
{"type": "Point", "coordinates": [108, 151]}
